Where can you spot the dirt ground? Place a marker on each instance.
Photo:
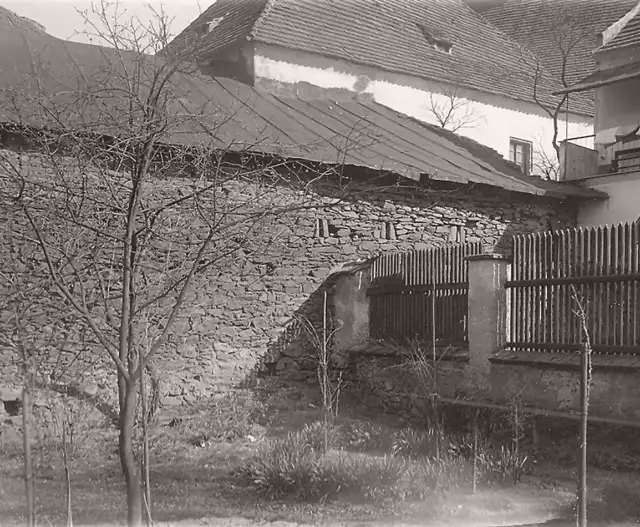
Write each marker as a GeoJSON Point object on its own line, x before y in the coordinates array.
{"type": "Point", "coordinates": [193, 483]}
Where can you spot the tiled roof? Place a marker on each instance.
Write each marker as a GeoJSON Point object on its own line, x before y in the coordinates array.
{"type": "Point", "coordinates": [299, 124]}
{"type": "Point", "coordinates": [384, 34]}
{"type": "Point", "coordinates": [545, 27]}
{"type": "Point", "coordinates": [629, 36]}
{"type": "Point", "coordinates": [234, 23]}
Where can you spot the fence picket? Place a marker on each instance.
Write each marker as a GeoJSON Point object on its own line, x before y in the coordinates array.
{"type": "Point", "coordinates": [597, 266]}
{"type": "Point", "coordinates": [402, 294]}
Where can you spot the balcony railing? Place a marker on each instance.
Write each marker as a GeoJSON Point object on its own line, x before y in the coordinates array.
{"type": "Point", "coordinates": [621, 157]}
{"type": "Point", "coordinates": [577, 161]}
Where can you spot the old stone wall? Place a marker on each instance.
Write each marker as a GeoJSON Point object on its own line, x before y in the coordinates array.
{"type": "Point", "coordinates": [386, 381]}
{"type": "Point", "coordinates": [238, 315]}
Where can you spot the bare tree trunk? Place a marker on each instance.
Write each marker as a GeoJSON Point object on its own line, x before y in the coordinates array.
{"type": "Point", "coordinates": [28, 461]}
{"type": "Point", "coordinates": [145, 446]}
{"type": "Point", "coordinates": [67, 474]}
{"type": "Point", "coordinates": [127, 457]}
{"type": "Point", "coordinates": [153, 401]}
{"type": "Point", "coordinates": [584, 405]}
{"type": "Point", "coordinates": [475, 450]}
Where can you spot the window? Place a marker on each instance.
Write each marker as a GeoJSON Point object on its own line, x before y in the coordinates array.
{"type": "Point", "coordinates": [457, 234]}
{"type": "Point", "coordinates": [520, 154]}
{"type": "Point", "coordinates": [388, 231]}
{"type": "Point", "coordinates": [439, 42]}
{"type": "Point", "coordinates": [208, 27]}
{"type": "Point", "coordinates": [324, 229]}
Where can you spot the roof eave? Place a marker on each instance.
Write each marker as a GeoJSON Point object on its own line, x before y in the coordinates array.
{"type": "Point", "coordinates": [582, 87]}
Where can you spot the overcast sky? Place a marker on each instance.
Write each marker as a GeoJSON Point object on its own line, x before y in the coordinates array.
{"type": "Point", "coordinates": [61, 19]}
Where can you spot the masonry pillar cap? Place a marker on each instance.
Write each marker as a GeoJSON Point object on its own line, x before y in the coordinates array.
{"type": "Point", "coordinates": [488, 256]}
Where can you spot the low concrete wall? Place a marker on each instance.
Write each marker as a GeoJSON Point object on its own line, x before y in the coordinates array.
{"type": "Point", "coordinates": [614, 394]}
{"type": "Point", "coordinates": [384, 381]}
{"type": "Point", "coordinates": [485, 372]}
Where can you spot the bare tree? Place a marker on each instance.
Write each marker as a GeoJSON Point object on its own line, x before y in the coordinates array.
{"type": "Point", "coordinates": [25, 331]}
{"type": "Point", "coordinates": [567, 33]}
{"type": "Point", "coordinates": [121, 223]}
{"type": "Point", "coordinates": [451, 111]}
{"type": "Point", "coordinates": [545, 164]}
{"type": "Point", "coordinates": [325, 358]}
{"type": "Point", "coordinates": [424, 362]}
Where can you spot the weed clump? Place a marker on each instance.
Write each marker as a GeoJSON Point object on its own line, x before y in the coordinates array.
{"type": "Point", "coordinates": [295, 467]}
{"type": "Point", "coordinates": [227, 418]}
{"type": "Point", "coordinates": [413, 443]}
{"type": "Point", "coordinates": [404, 465]}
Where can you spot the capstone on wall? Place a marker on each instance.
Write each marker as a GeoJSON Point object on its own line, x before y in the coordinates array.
{"type": "Point", "coordinates": [238, 315]}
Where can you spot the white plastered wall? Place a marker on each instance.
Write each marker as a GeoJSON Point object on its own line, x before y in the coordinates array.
{"type": "Point", "coordinates": [490, 119]}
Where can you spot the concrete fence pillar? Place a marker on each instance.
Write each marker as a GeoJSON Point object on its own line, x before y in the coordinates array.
{"type": "Point", "coordinates": [351, 308]}
{"type": "Point", "coordinates": [488, 319]}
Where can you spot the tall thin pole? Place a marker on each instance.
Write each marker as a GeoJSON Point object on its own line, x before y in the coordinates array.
{"type": "Point", "coordinates": [434, 395]}
{"type": "Point", "coordinates": [584, 405]}
{"type": "Point", "coordinates": [475, 450]}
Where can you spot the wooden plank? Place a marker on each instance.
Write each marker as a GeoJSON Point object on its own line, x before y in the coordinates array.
{"type": "Point", "coordinates": [516, 309]}
{"type": "Point", "coordinates": [635, 268]}
{"type": "Point", "coordinates": [617, 305]}
{"type": "Point", "coordinates": [608, 318]}
{"type": "Point", "coordinates": [590, 271]}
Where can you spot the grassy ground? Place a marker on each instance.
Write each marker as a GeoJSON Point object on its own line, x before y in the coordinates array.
{"type": "Point", "coordinates": [196, 455]}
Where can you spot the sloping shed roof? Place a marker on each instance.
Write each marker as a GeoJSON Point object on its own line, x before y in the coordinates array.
{"type": "Point", "coordinates": [391, 35]}
{"type": "Point", "coordinates": [603, 77]}
{"type": "Point", "coordinates": [546, 27]}
{"type": "Point", "coordinates": [629, 36]}
{"type": "Point", "coordinates": [10, 19]}
{"type": "Point", "coordinates": [334, 129]}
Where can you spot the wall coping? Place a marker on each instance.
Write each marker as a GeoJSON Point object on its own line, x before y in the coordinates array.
{"type": "Point", "coordinates": [566, 361]}
{"type": "Point", "coordinates": [488, 256]}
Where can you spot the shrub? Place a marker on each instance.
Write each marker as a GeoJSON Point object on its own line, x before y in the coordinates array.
{"type": "Point", "coordinates": [413, 443]}
{"type": "Point", "coordinates": [288, 466]}
{"type": "Point", "coordinates": [313, 435]}
{"type": "Point", "coordinates": [501, 467]}
{"type": "Point", "coordinates": [364, 436]}
{"type": "Point", "coordinates": [294, 468]}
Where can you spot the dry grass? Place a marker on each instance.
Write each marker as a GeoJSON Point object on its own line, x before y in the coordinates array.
{"type": "Point", "coordinates": [194, 466]}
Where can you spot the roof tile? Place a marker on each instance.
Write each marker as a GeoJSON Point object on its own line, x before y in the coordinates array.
{"type": "Point", "coordinates": [547, 27]}
{"type": "Point", "coordinates": [387, 34]}
{"type": "Point", "coordinates": [629, 36]}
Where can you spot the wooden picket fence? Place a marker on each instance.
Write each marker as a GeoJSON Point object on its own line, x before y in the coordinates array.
{"type": "Point", "coordinates": [556, 274]}
{"type": "Point", "coordinates": [405, 287]}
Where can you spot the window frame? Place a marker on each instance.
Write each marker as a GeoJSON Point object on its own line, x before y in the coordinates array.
{"type": "Point", "coordinates": [527, 150]}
